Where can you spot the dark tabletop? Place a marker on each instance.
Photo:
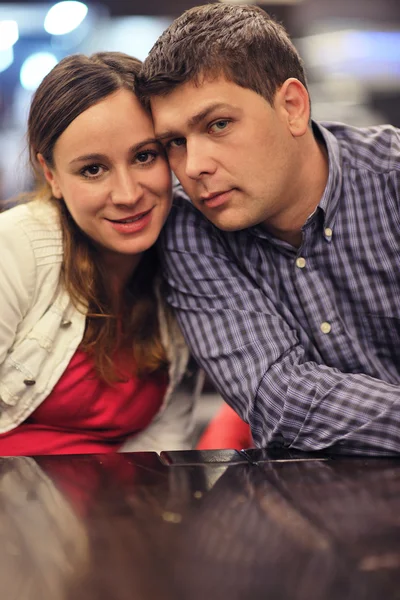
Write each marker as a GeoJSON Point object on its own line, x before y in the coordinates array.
{"type": "Point", "coordinates": [199, 525]}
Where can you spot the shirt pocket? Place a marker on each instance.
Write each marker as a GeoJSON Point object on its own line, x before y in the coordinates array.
{"type": "Point", "coordinates": [383, 335]}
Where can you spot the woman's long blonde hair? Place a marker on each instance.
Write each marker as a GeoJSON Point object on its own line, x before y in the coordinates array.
{"type": "Point", "coordinates": [74, 85]}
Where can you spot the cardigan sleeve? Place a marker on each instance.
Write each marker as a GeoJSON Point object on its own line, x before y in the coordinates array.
{"type": "Point", "coordinates": [17, 280]}
{"type": "Point", "coordinates": [172, 428]}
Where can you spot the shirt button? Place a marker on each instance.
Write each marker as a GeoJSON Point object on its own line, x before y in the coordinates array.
{"type": "Point", "coordinates": [301, 262]}
{"type": "Point", "coordinates": [328, 232]}
{"type": "Point", "coordinates": [66, 324]}
{"type": "Point", "coordinates": [29, 381]}
{"type": "Point", "coordinates": [325, 327]}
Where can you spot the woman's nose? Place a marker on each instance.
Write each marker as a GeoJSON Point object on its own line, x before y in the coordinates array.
{"type": "Point", "coordinates": [126, 188]}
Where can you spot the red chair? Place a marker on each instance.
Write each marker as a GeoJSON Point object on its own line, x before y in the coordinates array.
{"type": "Point", "coordinates": [226, 430]}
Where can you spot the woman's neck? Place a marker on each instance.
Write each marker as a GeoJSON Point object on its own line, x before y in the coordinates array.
{"type": "Point", "coordinates": [118, 270]}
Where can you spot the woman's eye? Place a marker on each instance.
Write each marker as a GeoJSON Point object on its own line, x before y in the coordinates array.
{"type": "Point", "coordinates": [92, 171]}
{"type": "Point", "coordinates": [219, 125]}
{"type": "Point", "coordinates": [146, 157]}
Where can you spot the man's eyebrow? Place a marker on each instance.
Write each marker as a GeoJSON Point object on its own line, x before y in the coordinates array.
{"type": "Point", "coordinates": [99, 157]}
{"type": "Point", "coordinates": [194, 120]}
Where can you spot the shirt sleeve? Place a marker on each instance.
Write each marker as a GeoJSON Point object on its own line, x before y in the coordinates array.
{"type": "Point", "coordinates": [254, 357]}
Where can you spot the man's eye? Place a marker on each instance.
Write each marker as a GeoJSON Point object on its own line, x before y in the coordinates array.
{"type": "Point", "coordinates": [219, 125]}
{"type": "Point", "coordinates": [176, 143]}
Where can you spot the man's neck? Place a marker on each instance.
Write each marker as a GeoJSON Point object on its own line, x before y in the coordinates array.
{"type": "Point", "coordinates": [306, 195]}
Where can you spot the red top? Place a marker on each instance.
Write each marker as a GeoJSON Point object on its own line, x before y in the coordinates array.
{"type": "Point", "coordinates": [84, 415]}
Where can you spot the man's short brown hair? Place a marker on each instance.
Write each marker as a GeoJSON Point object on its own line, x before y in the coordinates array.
{"type": "Point", "coordinates": [242, 43]}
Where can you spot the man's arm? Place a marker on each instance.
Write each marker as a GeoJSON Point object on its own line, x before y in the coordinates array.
{"type": "Point", "coordinates": [256, 361]}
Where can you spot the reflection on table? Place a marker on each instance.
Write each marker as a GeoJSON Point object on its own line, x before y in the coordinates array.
{"type": "Point", "coordinates": [197, 525]}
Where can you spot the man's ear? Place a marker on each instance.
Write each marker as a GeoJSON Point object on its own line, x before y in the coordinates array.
{"type": "Point", "coordinates": [50, 177]}
{"type": "Point", "coordinates": [293, 99]}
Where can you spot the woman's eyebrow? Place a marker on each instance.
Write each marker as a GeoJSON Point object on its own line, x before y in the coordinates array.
{"type": "Point", "coordinates": [97, 156]}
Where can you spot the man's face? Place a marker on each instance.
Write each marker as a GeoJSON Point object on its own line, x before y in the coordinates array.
{"type": "Point", "coordinates": [234, 153]}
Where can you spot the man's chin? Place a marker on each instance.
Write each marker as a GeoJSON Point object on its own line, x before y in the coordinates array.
{"type": "Point", "coordinates": [224, 223]}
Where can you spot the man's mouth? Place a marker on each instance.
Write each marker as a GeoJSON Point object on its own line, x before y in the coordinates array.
{"type": "Point", "coordinates": [211, 195]}
{"type": "Point", "coordinates": [216, 199]}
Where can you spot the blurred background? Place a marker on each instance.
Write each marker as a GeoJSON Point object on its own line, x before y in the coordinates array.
{"type": "Point", "coordinates": [351, 50]}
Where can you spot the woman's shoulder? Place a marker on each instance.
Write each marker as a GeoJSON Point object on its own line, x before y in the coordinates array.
{"type": "Point", "coordinates": [32, 215]}
{"type": "Point", "coordinates": [36, 225]}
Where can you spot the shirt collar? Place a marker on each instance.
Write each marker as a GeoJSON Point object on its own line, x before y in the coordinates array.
{"type": "Point", "coordinates": [330, 199]}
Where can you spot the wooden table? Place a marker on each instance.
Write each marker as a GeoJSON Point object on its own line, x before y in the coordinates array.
{"type": "Point", "coordinates": [199, 526]}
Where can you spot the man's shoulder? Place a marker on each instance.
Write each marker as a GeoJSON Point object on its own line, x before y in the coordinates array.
{"type": "Point", "coordinates": [184, 215]}
{"type": "Point", "coordinates": [181, 202]}
{"type": "Point", "coordinates": [375, 148]}
{"type": "Point", "coordinates": [186, 227]}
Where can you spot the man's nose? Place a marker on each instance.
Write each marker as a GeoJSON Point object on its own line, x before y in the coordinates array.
{"type": "Point", "coordinates": [199, 160]}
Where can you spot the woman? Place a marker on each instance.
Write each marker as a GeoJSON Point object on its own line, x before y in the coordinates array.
{"type": "Point", "coordinates": [89, 356]}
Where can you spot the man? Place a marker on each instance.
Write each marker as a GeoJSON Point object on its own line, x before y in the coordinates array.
{"type": "Point", "coordinates": [288, 292]}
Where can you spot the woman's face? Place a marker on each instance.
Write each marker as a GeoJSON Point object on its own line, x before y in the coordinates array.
{"type": "Point", "coordinates": [113, 177]}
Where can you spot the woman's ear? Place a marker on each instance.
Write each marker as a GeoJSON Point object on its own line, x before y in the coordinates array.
{"type": "Point", "coordinates": [295, 102]}
{"type": "Point", "coordinates": [50, 176]}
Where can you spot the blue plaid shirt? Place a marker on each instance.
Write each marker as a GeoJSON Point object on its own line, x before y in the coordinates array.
{"type": "Point", "coordinates": [303, 343]}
